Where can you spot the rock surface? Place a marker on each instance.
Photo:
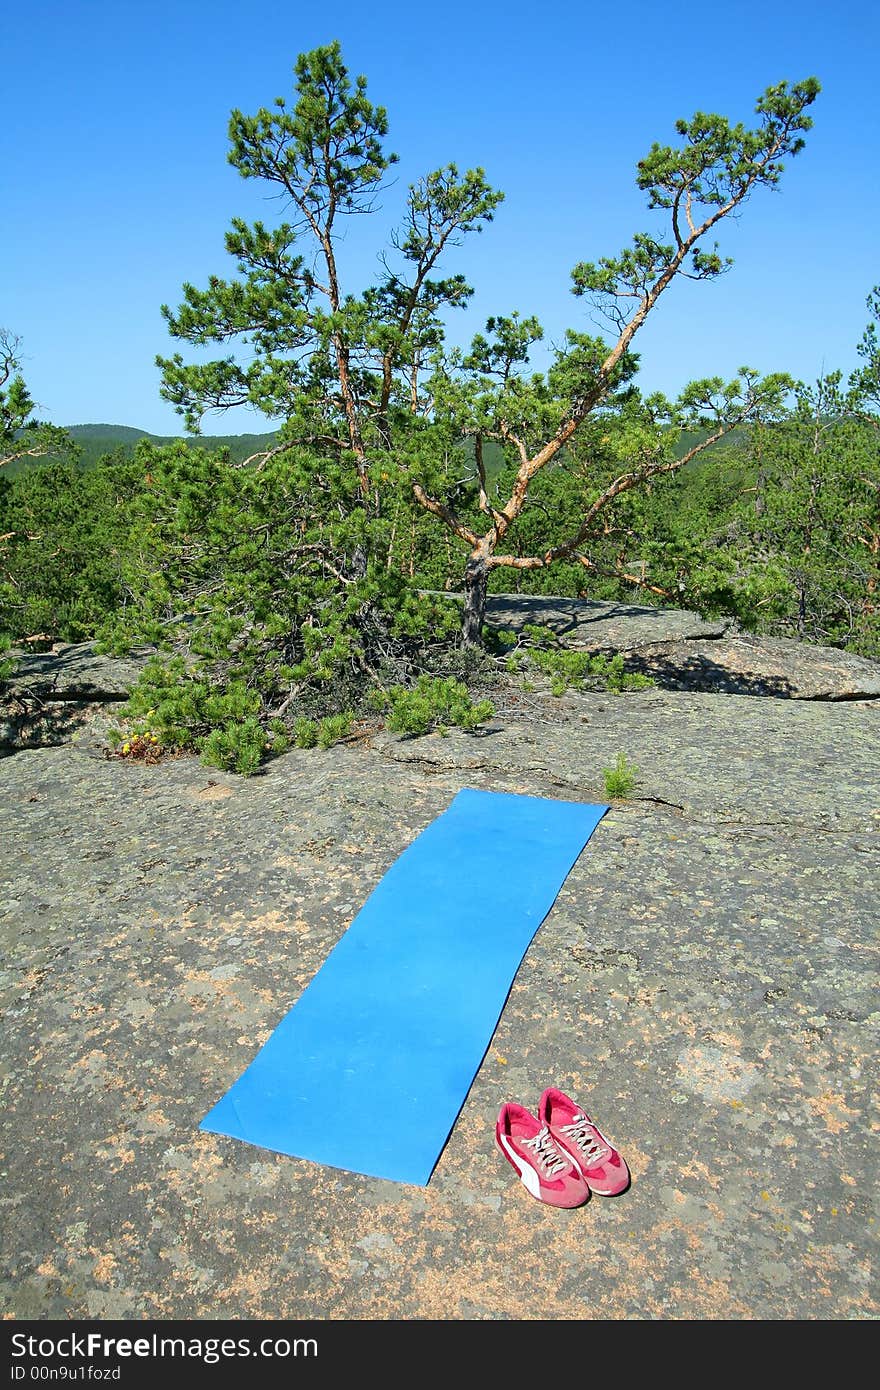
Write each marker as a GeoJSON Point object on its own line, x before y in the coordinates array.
{"type": "Point", "coordinates": [682, 651]}
{"type": "Point", "coordinates": [602, 626]}
{"type": "Point", "coordinates": [54, 697]}
{"type": "Point", "coordinates": [70, 692]}
{"type": "Point", "coordinates": [75, 672]}
{"type": "Point", "coordinates": [705, 984]}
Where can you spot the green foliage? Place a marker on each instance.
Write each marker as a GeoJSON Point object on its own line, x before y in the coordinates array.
{"type": "Point", "coordinates": [268, 595]}
{"type": "Point", "coordinates": [237, 747]}
{"type": "Point", "coordinates": [812, 538]}
{"type": "Point", "coordinates": [566, 668]}
{"type": "Point", "coordinates": [281, 736]}
{"type": "Point", "coordinates": [432, 703]}
{"type": "Point", "coordinates": [621, 778]}
{"type": "Point", "coordinates": [322, 733]}
{"type": "Point", "coordinates": [866, 381]}
{"type": "Point", "coordinates": [540, 637]}
{"type": "Point", "coordinates": [334, 727]}
{"type": "Point", "coordinates": [490, 393]}
{"type": "Point", "coordinates": [92, 445]}
{"type": "Point", "coordinates": [280, 594]}
{"type": "Point", "coordinates": [367, 378]}
{"type": "Point", "coordinates": [305, 732]}
{"type": "Point", "coordinates": [95, 442]}
{"type": "Point", "coordinates": [339, 368]}
{"type": "Point", "coordinates": [569, 669]}
{"type": "Point", "coordinates": [179, 709]}
{"type": "Point", "coordinates": [781, 534]}
{"type": "Point", "coordinates": [66, 545]}
{"type": "Point", "coordinates": [185, 706]}
{"type": "Point", "coordinates": [53, 578]}
{"type": "Point", "coordinates": [499, 640]}
{"type": "Point", "coordinates": [715, 165]}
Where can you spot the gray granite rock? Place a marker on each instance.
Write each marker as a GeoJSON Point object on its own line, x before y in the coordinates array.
{"type": "Point", "coordinates": [738, 664]}
{"type": "Point", "coordinates": [682, 651]}
{"type": "Point", "coordinates": [597, 626]}
{"type": "Point", "coordinates": [75, 672]}
{"type": "Point", "coordinates": [64, 694]}
{"type": "Point", "coordinates": [705, 984]}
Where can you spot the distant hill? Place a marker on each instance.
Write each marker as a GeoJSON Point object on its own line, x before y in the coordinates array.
{"type": "Point", "coordinates": [98, 440]}
{"type": "Point", "coordinates": [111, 432]}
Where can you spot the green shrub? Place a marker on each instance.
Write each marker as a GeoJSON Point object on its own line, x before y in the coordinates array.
{"type": "Point", "coordinates": [235, 747]}
{"type": "Point", "coordinates": [184, 708]}
{"type": "Point", "coordinates": [433, 703]}
{"type": "Point", "coordinates": [334, 727]}
{"type": "Point", "coordinates": [567, 668]}
{"type": "Point", "coordinates": [67, 539]}
{"type": "Point", "coordinates": [540, 636]}
{"type": "Point", "coordinates": [305, 732]}
{"type": "Point", "coordinates": [610, 669]}
{"type": "Point", "coordinates": [621, 778]}
{"type": "Point", "coordinates": [280, 742]}
{"type": "Point", "coordinates": [263, 589]}
{"type": "Point", "coordinates": [498, 640]}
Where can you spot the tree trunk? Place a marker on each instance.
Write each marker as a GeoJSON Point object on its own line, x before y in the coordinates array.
{"type": "Point", "coordinates": [476, 581]}
{"type": "Point", "coordinates": [760, 493]}
{"type": "Point", "coordinates": [802, 607]}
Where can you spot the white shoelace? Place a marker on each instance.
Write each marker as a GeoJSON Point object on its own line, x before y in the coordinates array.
{"type": "Point", "coordinates": [546, 1152]}
{"type": "Point", "coordinates": [588, 1139]}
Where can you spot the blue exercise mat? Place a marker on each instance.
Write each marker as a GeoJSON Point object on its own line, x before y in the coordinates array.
{"type": "Point", "coordinates": [371, 1066]}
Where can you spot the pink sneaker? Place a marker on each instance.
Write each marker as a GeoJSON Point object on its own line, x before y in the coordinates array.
{"type": "Point", "coordinates": [595, 1157]}
{"type": "Point", "coordinates": [547, 1173]}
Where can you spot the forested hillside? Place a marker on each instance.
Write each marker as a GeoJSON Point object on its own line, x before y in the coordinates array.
{"type": "Point", "coordinates": [94, 442]}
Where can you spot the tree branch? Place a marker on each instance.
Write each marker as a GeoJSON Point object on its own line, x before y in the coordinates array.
{"type": "Point", "coordinates": [446, 515]}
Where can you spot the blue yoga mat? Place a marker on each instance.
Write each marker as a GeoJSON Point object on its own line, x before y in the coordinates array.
{"type": "Point", "coordinates": [370, 1068]}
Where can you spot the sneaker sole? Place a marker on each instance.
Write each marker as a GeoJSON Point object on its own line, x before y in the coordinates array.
{"type": "Point", "coordinates": [600, 1191]}
{"type": "Point", "coordinates": [607, 1191]}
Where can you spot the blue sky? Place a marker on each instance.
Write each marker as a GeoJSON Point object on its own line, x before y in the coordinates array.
{"type": "Point", "coordinates": [116, 189]}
